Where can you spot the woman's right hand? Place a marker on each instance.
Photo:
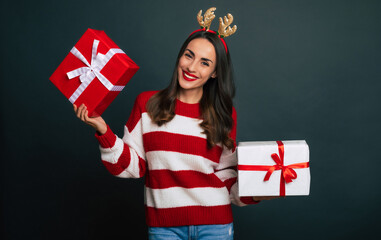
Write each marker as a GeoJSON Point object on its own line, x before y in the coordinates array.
{"type": "Point", "coordinates": [96, 122]}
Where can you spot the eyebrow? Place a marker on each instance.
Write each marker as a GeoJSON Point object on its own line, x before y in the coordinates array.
{"type": "Point", "coordinates": [204, 59]}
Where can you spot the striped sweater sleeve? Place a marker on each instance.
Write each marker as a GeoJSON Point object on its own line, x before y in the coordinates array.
{"type": "Point", "coordinates": [125, 157]}
{"type": "Point", "coordinates": [227, 169]}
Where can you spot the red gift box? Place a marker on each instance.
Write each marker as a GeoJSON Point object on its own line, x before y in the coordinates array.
{"type": "Point", "coordinates": [94, 72]}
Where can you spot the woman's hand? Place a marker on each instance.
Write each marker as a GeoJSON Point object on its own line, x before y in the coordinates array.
{"type": "Point", "coordinates": [265, 198]}
{"type": "Point", "coordinates": [96, 122]}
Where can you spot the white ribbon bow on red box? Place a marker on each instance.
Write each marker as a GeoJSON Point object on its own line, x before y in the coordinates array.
{"type": "Point", "coordinates": [87, 74]}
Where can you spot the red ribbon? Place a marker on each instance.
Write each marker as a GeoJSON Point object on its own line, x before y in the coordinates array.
{"type": "Point", "coordinates": [287, 174]}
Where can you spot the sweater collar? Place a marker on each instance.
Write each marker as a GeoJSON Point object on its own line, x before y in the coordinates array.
{"type": "Point", "coordinates": [188, 109]}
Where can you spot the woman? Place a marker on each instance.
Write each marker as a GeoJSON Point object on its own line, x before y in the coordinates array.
{"type": "Point", "coordinates": [182, 139]}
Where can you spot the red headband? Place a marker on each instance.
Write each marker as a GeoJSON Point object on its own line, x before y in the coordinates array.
{"type": "Point", "coordinates": [204, 29]}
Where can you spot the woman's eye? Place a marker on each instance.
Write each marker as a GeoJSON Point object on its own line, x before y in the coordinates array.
{"type": "Point", "coordinates": [205, 63]}
{"type": "Point", "coordinates": [188, 55]}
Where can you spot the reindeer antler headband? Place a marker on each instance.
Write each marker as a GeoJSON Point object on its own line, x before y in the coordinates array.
{"type": "Point", "coordinates": [224, 29]}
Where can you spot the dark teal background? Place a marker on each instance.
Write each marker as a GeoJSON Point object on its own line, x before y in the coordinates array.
{"type": "Point", "coordinates": [304, 70]}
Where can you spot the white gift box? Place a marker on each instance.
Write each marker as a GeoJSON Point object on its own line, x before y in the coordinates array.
{"type": "Point", "coordinates": [263, 172]}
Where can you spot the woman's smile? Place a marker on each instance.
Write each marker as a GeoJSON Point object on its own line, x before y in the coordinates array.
{"type": "Point", "coordinates": [189, 77]}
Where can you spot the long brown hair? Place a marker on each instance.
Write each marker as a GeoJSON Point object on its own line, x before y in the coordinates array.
{"type": "Point", "coordinates": [216, 103]}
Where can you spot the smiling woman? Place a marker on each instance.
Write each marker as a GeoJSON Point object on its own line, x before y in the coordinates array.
{"type": "Point", "coordinates": [203, 74]}
{"type": "Point", "coordinates": [195, 67]}
{"type": "Point", "coordinates": [182, 139]}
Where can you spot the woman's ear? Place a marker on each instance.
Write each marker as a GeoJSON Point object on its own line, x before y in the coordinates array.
{"type": "Point", "coordinates": [214, 75]}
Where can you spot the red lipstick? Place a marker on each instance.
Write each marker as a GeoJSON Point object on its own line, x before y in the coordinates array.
{"type": "Point", "coordinates": [189, 77]}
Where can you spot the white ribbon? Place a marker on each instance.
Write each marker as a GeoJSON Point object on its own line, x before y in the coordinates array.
{"type": "Point", "coordinates": [87, 74]}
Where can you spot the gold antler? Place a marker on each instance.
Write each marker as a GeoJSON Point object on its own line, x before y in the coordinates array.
{"type": "Point", "coordinates": [207, 19]}
{"type": "Point", "coordinates": [225, 24]}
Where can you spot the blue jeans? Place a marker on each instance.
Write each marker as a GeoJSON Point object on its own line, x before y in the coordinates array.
{"type": "Point", "coordinates": [196, 232]}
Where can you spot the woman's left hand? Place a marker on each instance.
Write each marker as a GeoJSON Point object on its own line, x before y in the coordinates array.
{"type": "Point", "coordinates": [265, 198]}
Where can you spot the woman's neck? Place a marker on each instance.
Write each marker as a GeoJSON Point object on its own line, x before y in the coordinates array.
{"type": "Point", "coordinates": [190, 96]}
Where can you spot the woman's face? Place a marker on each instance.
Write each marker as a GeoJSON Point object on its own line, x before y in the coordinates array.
{"type": "Point", "coordinates": [196, 65]}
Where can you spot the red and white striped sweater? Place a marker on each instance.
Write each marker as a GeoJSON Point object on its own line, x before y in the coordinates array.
{"type": "Point", "coordinates": [186, 183]}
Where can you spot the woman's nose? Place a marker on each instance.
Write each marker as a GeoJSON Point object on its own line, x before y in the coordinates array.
{"type": "Point", "coordinates": [192, 67]}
